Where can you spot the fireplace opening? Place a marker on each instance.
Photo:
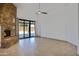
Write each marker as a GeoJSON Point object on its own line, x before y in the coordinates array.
{"type": "Point", "coordinates": [7, 33]}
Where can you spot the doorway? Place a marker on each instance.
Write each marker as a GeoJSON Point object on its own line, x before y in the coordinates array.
{"type": "Point", "coordinates": [26, 28]}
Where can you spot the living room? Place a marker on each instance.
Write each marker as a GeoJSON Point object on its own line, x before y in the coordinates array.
{"type": "Point", "coordinates": [55, 28]}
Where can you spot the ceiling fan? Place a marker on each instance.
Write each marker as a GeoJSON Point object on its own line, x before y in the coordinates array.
{"type": "Point", "coordinates": [41, 12]}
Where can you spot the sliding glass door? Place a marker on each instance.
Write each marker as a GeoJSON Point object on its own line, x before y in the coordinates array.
{"type": "Point", "coordinates": [21, 29]}
{"type": "Point", "coordinates": [32, 25]}
{"type": "Point", "coordinates": [26, 28]}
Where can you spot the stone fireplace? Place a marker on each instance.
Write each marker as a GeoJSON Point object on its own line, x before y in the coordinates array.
{"type": "Point", "coordinates": [7, 25]}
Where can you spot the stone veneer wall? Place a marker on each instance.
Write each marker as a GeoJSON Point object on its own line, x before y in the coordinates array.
{"type": "Point", "coordinates": [0, 35]}
{"type": "Point", "coordinates": [8, 21]}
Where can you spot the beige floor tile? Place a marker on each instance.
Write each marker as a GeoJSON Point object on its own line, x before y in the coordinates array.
{"type": "Point", "coordinates": [40, 47]}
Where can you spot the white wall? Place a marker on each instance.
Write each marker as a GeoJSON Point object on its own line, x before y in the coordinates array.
{"type": "Point", "coordinates": [26, 10]}
{"type": "Point", "coordinates": [78, 29]}
{"type": "Point", "coordinates": [61, 22]}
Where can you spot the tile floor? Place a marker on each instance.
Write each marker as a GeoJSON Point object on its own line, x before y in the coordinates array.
{"type": "Point", "coordinates": [40, 47]}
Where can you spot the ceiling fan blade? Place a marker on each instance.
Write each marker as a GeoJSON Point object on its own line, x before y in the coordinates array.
{"type": "Point", "coordinates": [44, 12]}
